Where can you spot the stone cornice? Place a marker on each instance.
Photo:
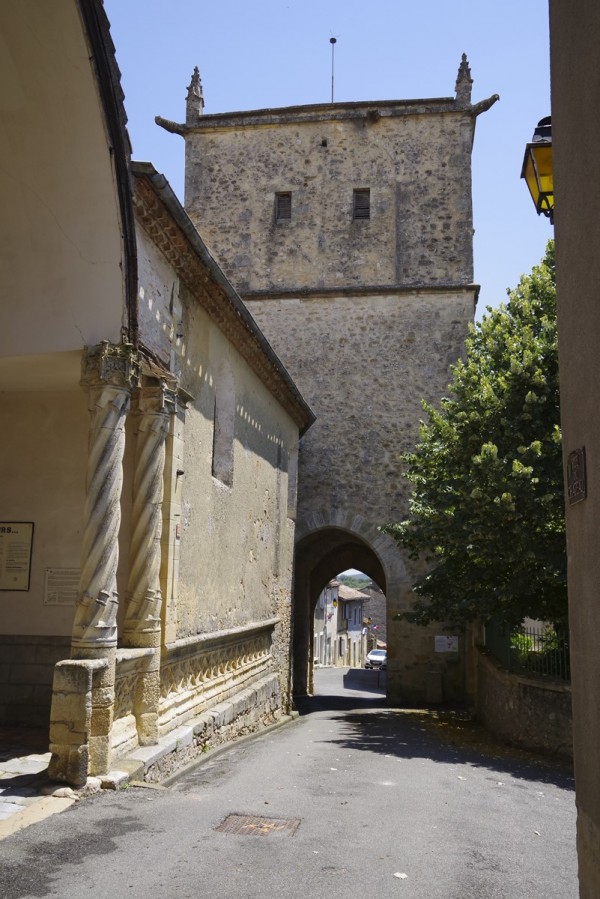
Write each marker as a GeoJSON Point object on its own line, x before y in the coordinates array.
{"type": "Point", "coordinates": [370, 110]}
{"type": "Point", "coordinates": [218, 639]}
{"type": "Point", "coordinates": [166, 223]}
{"type": "Point", "coordinates": [374, 290]}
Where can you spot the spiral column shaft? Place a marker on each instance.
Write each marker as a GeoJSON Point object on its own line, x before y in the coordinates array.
{"type": "Point", "coordinates": [141, 627]}
{"type": "Point", "coordinates": [108, 373]}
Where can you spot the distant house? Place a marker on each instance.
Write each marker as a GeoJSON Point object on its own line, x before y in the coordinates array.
{"type": "Point", "coordinates": [377, 615]}
{"type": "Point", "coordinates": [338, 637]}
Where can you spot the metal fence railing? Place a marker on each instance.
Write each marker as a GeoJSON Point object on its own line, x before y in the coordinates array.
{"type": "Point", "coordinates": [537, 649]}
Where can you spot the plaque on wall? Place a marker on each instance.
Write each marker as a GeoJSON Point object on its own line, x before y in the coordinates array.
{"type": "Point", "coordinates": [61, 585]}
{"type": "Point", "coordinates": [16, 539]}
{"type": "Point", "coordinates": [446, 644]}
{"type": "Point", "coordinates": [576, 476]}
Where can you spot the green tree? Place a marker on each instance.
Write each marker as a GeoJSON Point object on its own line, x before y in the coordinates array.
{"type": "Point", "coordinates": [486, 514]}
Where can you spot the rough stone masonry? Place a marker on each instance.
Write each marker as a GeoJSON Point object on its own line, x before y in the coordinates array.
{"type": "Point", "coordinates": [347, 228]}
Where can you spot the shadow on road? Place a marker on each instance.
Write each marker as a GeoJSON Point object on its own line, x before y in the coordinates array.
{"type": "Point", "coordinates": [445, 734]}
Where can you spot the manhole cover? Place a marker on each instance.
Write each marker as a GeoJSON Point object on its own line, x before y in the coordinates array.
{"type": "Point", "coordinates": [258, 826]}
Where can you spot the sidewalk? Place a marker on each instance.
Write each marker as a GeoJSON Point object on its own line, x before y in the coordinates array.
{"type": "Point", "coordinates": [26, 794]}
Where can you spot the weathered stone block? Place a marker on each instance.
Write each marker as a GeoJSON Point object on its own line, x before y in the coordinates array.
{"type": "Point", "coordinates": [101, 720]}
{"type": "Point", "coordinates": [64, 734]}
{"type": "Point", "coordinates": [69, 764]}
{"type": "Point", "coordinates": [71, 676]}
{"type": "Point", "coordinates": [72, 707]}
{"type": "Point", "coordinates": [99, 755]}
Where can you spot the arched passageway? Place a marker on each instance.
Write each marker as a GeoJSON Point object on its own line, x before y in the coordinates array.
{"type": "Point", "coordinates": [329, 543]}
{"type": "Point", "coordinates": [321, 553]}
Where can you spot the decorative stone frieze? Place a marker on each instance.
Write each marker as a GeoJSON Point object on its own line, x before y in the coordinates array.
{"type": "Point", "coordinates": [204, 670]}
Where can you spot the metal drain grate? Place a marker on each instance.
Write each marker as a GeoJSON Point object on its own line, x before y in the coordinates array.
{"type": "Point", "coordinates": [258, 826]}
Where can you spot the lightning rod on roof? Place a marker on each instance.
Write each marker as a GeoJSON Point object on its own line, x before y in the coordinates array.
{"type": "Point", "coordinates": [332, 41]}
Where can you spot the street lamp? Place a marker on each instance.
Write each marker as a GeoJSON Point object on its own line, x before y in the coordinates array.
{"type": "Point", "coordinates": [537, 168]}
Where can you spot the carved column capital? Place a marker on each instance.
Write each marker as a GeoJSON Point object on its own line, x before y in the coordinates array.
{"type": "Point", "coordinates": [156, 397]}
{"type": "Point", "coordinates": [111, 365]}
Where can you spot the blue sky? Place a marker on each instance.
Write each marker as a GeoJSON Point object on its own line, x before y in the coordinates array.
{"type": "Point", "coordinates": [253, 55]}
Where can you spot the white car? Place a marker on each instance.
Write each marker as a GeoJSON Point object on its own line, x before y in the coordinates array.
{"type": "Point", "coordinates": [377, 658]}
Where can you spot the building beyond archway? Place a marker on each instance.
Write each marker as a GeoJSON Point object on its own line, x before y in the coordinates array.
{"type": "Point", "coordinates": [347, 229]}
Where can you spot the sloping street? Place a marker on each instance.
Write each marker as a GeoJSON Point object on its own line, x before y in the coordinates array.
{"type": "Point", "coordinates": [352, 799]}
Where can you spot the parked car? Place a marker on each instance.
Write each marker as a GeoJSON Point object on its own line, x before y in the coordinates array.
{"type": "Point", "coordinates": [377, 658]}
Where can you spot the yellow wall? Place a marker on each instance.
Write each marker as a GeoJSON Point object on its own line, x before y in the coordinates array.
{"type": "Point", "coordinates": [43, 454]}
{"type": "Point", "coordinates": [60, 264]}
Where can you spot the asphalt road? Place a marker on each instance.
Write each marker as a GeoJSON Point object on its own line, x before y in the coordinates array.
{"type": "Point", "coordinates": [382, 806]}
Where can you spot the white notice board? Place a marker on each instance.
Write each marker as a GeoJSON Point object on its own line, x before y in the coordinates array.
{"type": "Point", "coordinates": [16, 539]}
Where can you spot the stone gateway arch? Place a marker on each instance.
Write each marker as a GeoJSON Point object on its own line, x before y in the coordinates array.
{"type": "Point", "coordinates": [347, 229]}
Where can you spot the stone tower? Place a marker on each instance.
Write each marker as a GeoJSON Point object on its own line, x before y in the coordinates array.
{"type": "Point", "coordinates": [347, 229]}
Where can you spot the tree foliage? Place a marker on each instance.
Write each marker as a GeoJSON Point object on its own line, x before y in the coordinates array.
{"type": "Point", "coordinates": [486, 513]}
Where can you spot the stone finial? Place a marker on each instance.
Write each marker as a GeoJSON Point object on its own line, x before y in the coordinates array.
{"type": "Point", "coordinates": [194, 102]}
{"type": "Point", "coordinates": [464, 83]}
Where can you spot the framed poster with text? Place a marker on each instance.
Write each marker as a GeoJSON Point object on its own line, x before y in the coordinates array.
{"type": "Point", "coordinates": [16, 539]}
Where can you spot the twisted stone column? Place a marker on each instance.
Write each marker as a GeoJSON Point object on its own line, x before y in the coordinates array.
{"type": "Point", "coordinates": [95, 625]}
{"type": "Point", "coordinates": [142, 623]}
{"type": "Point", "coordinates": [81, 720]}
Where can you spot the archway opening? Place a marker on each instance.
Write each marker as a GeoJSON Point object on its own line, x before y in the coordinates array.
{"type": "Point", "coordinates": [324, 634]}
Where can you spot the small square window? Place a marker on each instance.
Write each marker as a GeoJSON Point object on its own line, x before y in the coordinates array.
{"type": "Point", "coordinates": [361, 206]}
{"type": "Point", "coordinates": [283, 207]}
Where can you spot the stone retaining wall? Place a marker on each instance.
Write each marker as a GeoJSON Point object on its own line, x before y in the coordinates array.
{"type": "Point", "coordinates": [528, 712]}
{"type": "Point", "coordinates": [248, 711]}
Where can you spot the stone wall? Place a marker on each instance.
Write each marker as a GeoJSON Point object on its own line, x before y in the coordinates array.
{"type": "Point", "coordinates": [415, 158]}
{"type": "Point", "coordinates": [532, 713]}
{"type": "Point", "coordinates": [26, 671]}
{"type": "Point", "coordinates": [367, 314]}
{"type": "Point", "coordinates": [366, 363]}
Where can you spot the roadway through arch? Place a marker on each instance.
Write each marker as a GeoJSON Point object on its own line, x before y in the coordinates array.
{"type": "Point", "coordinates": [325, 547]}
{"type": "Point", "coordinates": [330, 542]}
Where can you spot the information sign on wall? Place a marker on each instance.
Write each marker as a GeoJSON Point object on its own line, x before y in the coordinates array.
{"type": "Point", "coordinates": [16, 538]}
{"type": "Point", "coordinates": [446, 644]}
{"type": "Point", "coordinates": [61, 586]}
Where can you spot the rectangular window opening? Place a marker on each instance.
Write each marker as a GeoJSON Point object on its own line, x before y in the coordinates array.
{"type": "Point", "coordinates": [283, 206]}
{"type": "Point", "coordinates": [223, 428]}
{"type": "Point", "coordinates": [361, 207]}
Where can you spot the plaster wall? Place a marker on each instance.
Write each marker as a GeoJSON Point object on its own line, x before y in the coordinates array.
{"type": "Point", "coordinates": [236, 538]}
{"type": "Point", "coordinates": [227, 524]}
{"type": "Point", "coordinates": [159, 306]}
{"type": "Point", "coordinates": [415, 162]}
{"type": "Point", "coordinates": [43, 455]}
{"type": "Point", "coordinates": [61, 254]}
{"type": "Point", "coordinates": [576, 132]}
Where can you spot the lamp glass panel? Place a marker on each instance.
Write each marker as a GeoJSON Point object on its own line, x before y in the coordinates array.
{"type": "Point", "coordinates": [531, 179]}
